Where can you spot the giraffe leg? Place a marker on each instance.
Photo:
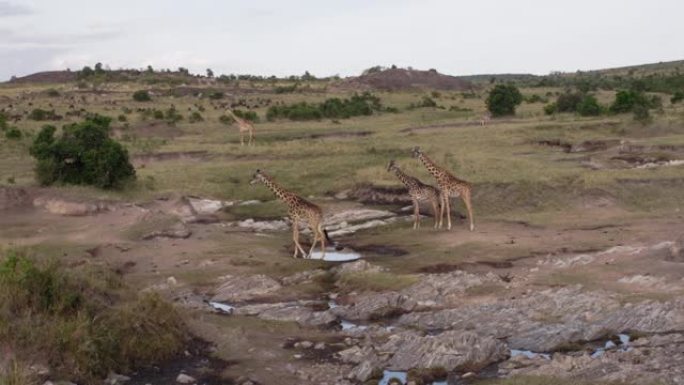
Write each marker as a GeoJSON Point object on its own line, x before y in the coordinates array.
{"type": "Point", "coordinates": [434, 210]}
{"type": "Point", "coordinates": [314, 231]}
{"type": "Point", "coordinates": [322, 237]}
{"type": "Point", "coordinates": [448, 211]}
{"type": "Point", "coordinates": [295, 236]}
{"type": "Point", "coordinates": [466, 200]}
{"type": "Point", "coordinates": [441, 210]}
{"type": "Point", "coordinates": [416, 213]}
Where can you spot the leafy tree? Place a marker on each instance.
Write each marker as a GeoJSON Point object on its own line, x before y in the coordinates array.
{"type": "Point", "coordinates": [677, 97]}
{"type": "Point", "coordinates": [87, 72]}
{"type": "Point", "coordinates": [13, 133]}
{"type": "Point", "coordinates": [626, 100]}
{"type": "Point", "coordinates": [150, 70]}
{"type": "Point", "coordinates": [210, 73]}
{"type": "Point", "coordinates": [568, 101]}
{"type": "Point", "coordinates": [98, 69]}
{"type": "Point", "coordinates": [589, 106]}
{"type": "Point", "coordinates": [141, 96]}
{"type": "Point", "coordinates": [83, 154]}
{"type": "Point", "coordinates": [503, 99]}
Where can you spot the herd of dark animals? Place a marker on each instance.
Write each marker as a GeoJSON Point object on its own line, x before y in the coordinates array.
{"type": "Point", "coordinates": [300, 209]}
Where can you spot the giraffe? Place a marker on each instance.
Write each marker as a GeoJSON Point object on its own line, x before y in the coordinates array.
{"type": "Point", "coordinates": [298, 209]}
{"type": "Point", "coordinates": [450, 186]}
{"type": "Point", "coordinates": [243, 126]}
{"type": "Point", "coordinates": [418, 191]}
{"type": "Point", "coordinates": [485, 118]}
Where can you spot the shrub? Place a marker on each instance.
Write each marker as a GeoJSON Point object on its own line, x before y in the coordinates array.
{"type": "Point", "coordinates": [122, 118]}
{"type": "Point", "coordinates": [83, 154]}
{"type": "Point", "coordinates": [158, 114]}
{"type": "Point", "coordinates": [626, 100]}
{"type": "Point", "coordinates": [3, 121]}
{"type": "Point", "coordinates": [247, 115]}
{"type": "Point", "coordinates": [79, 322]}
{"type": "Point", "coordinates": [550, 108]}
{"type": "Point", "coordinates": [677, 97]}
{"type": "Point", "coordinates": [173, 116]}
{"type": "Point", "coordinates": [534, 98]}
{"type": "Point", "coordinates": [216, 95]}
{"type": "Point", "coordinates": [589, 106]}
{"type": "Point", "coordinates": [39, 114]}
{"type": "Point", "coordinates": [53, 93]}
{"type": "Point", "coordinates": [641, 114]}
{"type": "Point", "coordinates": [568, 101]}
{"type": "Point", "coordinates": [13, 133]}
{"type": "Point", "coordinates": [285, 89]}
{"type": "Point", "coordinates": [503, 99]}
{"type": "Point", "coordinates": [141, 96]}
{"type": "Point", "coordinates": [333, 108]}
{"type": "Point", "coordinates": [195, 117]}
{"type": "Point", "coordinates": [226, 119]}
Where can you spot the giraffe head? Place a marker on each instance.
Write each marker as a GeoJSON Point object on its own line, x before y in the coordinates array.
{"type": "Point", "coordinates": [391, 165]}
{"type": "Point", "coordinates": [257, 177]}
{"type": "Point", "coordinates": [416, 151]}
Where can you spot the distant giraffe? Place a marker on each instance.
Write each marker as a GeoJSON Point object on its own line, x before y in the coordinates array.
{"type": "Point", "coordinates": [298, 209]}
{"type": "Point", "coordinates": [450, 186]}
{"type": "Point", "coordinates": [243, 126]}
{"type": "Point", "coordinates": [418, 191]}
{"type": "Point", "coordinates": [485, 118]}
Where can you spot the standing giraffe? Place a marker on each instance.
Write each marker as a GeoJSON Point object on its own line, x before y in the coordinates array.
{"type": "Point", "coordinates": [450, 186]}
{"type": "Point", "coordinates": [298, 209]}
{"type": "Point", "coordinates": [418, 191]}
{"type": "Point", "coordinates": [485, 118]}
{"type": "Point", "coordinates": [243, 126]}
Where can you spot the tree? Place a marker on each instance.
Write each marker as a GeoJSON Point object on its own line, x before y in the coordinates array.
{"type": "Point", "coordinates": [99, 69]}
{"type": "Point", "coordinates": [503, 99]}
{"type": "Point", "coordinates": [589, 106]}
{"type": "Point", "coordinates": [87, 71]}
{"type": "Point", "coordinates": [150, 70]}
{"type": "Point", "coordinates": [83, 154]}
{"type": "Point", "coordinates": [141, 96]}
{"type": "Point", "coordinates": [210, 73]}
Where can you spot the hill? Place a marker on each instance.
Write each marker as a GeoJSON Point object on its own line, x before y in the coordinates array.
{"type": "Point", "coordinates": [394, 79]}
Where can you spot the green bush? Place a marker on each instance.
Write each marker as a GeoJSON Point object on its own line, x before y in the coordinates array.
{"type": "Point", "coordinates": [286, 89]}
{"type": "Point", "coordinates": [247, 115]}
{"type": "Point", "coordinates": [39, 114]}
{"type": "Point", "coordinates": [141, 96]}
{"type": "Point", "coordinates": [626, 100]}
{"type": "Point", "coordinates": [589, 106]}
{"type": "Point", "coordinates": [226, 119]}
{"type": "Point", "coordinates": [83, 154]}
{"type": "Point", "coordinates": [677, 97]}
{"type": "Point", "coordinates": [503, 99]}
{"type": "Point", "coordinates": [551, 108]}
{"type": "Point", "coordinates": [83, 322]}
{"type": "Point", "coordinates": [3, 122]}
{"type": "Point", "coordinates": [195, 117]}
{"type": "Point", "coordinates": [53, 93]}
{"type": "Point", "coordinates": [13, 133]}
{"type": "Point", "coordinates": [333, 108]}
{"type": "Point", "coordinates": [173, 116]}
{"type": "Point", "coordinates": [216, 95]}
{"type": "Point", "coordinates": [568, 101]}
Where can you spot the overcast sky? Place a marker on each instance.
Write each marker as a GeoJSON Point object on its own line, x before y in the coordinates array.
{"type": "Point", "coordinates": [328, 37]}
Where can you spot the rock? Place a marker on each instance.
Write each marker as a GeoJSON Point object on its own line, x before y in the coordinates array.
{"type": "Point", "coordinates": [302, 277]}
{"type": "Point", "coordinates": [40, 370]}
{"type": "Point", "coordinates": [356, 267]}
{"type": "Point", "coordinates": [177, 230]}
{"type": "Point", "coordinates": [116, 379]}
{"type": "Point", "coordinates": [277, 225]}
{"type": "Point", "coordinates": [452, 350]}
{"type": "Point", "coordinates": [185, 379]}
{"type": "Point", "coordinates": [244, 288]}
{"type": "Point", "coordinates": [171, 281]}
{"type": "Point", "coordinates": [306, 344]}
{"type": "Point", "coordinates": [69, 208]}
{"type": "Point", "coordinates": [299, 312]}
{"type": "Point", "coordinates": [13, 197]}
{"type": "Point", "coordinates": [676, 251]}
{"type": "Point", "coordinates": [320, 346]}
{"type": "Point", "coordinates": [207, 206]}
{"type": "Point", "coordinates": [249, 203]}
{"type": "Point", "coordinates": [354, 216]}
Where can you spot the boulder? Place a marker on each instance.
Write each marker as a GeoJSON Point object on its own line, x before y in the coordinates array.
{"type": "Point", "coordinates": [244, 288]}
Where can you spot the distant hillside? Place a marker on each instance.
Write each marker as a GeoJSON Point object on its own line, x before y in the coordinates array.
{"type": "Point", "coordinates": [401, 79]}
{"type": "Point", "coordinates": [490, 78]}
{"type": "Point", "coordinates": [664, 68]}
{"type": "Point", "coordinates": [47, 77]}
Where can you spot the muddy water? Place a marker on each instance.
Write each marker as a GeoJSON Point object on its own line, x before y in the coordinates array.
{"type": "Point", "coordinates": [395, 377]}
{"type": "Point", "coordinates": [336, 256]}
{"type": "Point", "coordinates": [622, 346]}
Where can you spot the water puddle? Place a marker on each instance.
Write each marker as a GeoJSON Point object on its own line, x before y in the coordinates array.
{"type": "Point", "coordinates": [622, 346]}
{"type": "Point", "coordinates": [336, 256]}
{"type": "Point", "coordinates": [398, 377]}
{"type": "Point", "coordinates": [222, 307]}
{"type": "Point", "coordinates": [346, 325]}
{"type": "Point", "coordinates": [529, 354]}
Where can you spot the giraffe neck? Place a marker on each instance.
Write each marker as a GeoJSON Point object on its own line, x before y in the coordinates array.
{"type": "Point", "coordinates": [430, 165]}
{"type": "Point", "coordinates": [405, 179]}
{"type": "Point", "coordinates": [279, 192]}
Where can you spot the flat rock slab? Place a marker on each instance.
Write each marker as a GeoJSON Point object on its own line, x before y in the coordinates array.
{"type": "Point", "coordinates": [245, 288]}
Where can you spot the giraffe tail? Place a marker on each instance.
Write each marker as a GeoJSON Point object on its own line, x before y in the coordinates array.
{"type": "Point", "coordinates": [331, 242]}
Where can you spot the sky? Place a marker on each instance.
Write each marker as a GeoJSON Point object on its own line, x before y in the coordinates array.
{"type": "Point", "coordinates": [338, 37]}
